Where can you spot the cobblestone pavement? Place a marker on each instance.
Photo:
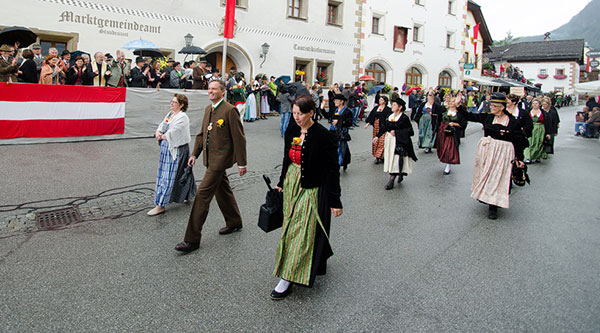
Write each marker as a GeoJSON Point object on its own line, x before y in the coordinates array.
{"type": "Point", "coordinates": [111, 204]}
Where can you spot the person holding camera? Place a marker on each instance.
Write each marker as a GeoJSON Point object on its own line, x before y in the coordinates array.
{"type": "Point", "coordinates": [177, 76]}
{"type": "Point", "coordinates": [451, 125]}
{"type": "Point", "coordinates": [8, 65]}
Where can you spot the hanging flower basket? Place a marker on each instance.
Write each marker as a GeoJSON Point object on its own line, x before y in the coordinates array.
{"type": "Point", "coordinates": [542, 76]}
{"type": "Point", "coordinates": [560, 76]}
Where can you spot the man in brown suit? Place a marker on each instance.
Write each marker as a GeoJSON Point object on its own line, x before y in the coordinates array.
{"type": "Point", "coordinates": [8, 65]}
{"type": "Point", "coordinates": [223, 141]}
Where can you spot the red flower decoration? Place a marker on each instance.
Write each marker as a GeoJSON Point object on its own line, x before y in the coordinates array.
{"type": "Point", "coordinates": [542, 76]}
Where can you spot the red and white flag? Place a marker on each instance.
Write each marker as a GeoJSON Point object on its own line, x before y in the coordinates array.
{"type": "Point", "coordinates": [229, 19]}
{"type": "Point", "coordinates": [37, 111]}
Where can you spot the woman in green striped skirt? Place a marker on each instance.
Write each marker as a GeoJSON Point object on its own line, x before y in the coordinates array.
{"type": "Point", "coordinates": [310, 181]}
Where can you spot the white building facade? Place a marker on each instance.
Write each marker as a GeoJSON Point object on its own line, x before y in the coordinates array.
{"type": "Point", "coordinates": [319, 38]}
{"type": "Point", "coordinates": [413, 42]}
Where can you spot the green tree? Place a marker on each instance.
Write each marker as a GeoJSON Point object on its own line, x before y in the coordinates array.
{"type": "Point", "coordinates": [509, 39]}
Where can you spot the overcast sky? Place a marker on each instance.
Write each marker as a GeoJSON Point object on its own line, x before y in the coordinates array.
{"type": "Point", "coordinates": [527, 17]}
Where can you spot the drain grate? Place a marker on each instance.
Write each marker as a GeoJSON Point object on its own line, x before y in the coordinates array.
{"type": "Point", "coordinates": [58, 218]}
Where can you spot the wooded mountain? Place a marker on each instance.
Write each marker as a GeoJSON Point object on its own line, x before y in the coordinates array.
{"type": "Point", "coordinates": [586, 25]}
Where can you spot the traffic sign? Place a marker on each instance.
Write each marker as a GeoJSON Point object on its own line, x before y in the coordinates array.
{"type": "Point", "coordinates": [469, 66]}
{"type": "Point", "coordinates": [467, 72]}
{"type": "Point", "coordinates": [592, 54]}
{"type": "Point", "coordinates": [594, 63]}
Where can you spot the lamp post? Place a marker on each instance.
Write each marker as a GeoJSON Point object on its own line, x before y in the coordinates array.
{"type": "Point", "coordinates": [188, 39]}
{"type": "Point", "coordinates": [265, 49]}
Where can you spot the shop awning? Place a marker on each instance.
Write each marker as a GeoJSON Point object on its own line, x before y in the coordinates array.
{"type": "Point", "coordinates": [483, 81]}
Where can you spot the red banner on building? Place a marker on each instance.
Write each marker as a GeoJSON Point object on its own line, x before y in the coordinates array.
{"type": "Point", "coordinates": [229, 19]}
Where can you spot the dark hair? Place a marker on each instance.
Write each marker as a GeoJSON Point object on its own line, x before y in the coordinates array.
{"type": "Point", "coordinates": [182, 100]}
{"type": "Point", "coordinates": [220, 82]}
{"type": "Point", "coordinates": [385, 98]}
{"type": "Point", "coordinates": [176, 64]}
{"type": "Point", "coordinates": [27, 54]}
{"type": "Point", "coordinates": [305, 103]}
{"type": "Point", "coordinates": [79, 58]}
{"type": "Point", "coordinates": [514, 98]}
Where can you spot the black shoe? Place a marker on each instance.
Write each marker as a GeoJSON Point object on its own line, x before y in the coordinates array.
{"type": "Point", "coordinates": [279, 296]}
{"type": "Point", "coordinates": [187, 247]}
{"type": "Point", "coordinates": [493, 212]}
{"type": "Point", "coordinates": [390, 183]}
{"type": "Point", "coordinates": [228, 230]}
{"type": "Point", "coordinates": [345, 167]}
{"type": "Point", "coordinates": [400, 178]}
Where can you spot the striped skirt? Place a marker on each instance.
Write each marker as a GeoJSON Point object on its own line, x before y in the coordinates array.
{"type": "Point", "coordinates": [377, 149]}
{"type": "Point", "coordinates": [300, 220]}
{"type": "Point", "coordinates": [169, 187]}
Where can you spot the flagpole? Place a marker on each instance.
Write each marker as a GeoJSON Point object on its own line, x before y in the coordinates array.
{"type": "Point", "coordinates": [224, 61]}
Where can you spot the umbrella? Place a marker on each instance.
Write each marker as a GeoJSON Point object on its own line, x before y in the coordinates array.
{"type": "Point", "coordinates": [366, 78]}
{"type": "Point", "coordinates": [22, 35]}
{"type": "Point", "coordinates": [78, 53]}
{"type": "Point", "coordinates": [192, 50]}
{"type": "Point", "coordinates": [148, 52]}
{"type": "Point", "coordinates": [376, 89]}
{"type": "Point", "coordinates": [300, 89]}
{"type": "Point", "coordinates": [284, 78]}
{"type": "Point", "coordinates": [409, 91]}
{"type": "Point", "coordinates": [139, 44]}
{"type": "Point", "coordinates": [473, 88]}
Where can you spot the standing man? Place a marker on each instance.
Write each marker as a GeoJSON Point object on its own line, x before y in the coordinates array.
{"type": "Point", "coordinates": [138, 76]}
{"type": "Point", "coordinates": [223, 141]}
{"type": "Point", "coordinates": [100, 70]}
{"type": "Point", "coordinates": [38, 58]}
{"type": "Point", "coordinates": [198, 74]}
{"type": "Point", "coordinates": [119, 69]}
{"type": "Point", "coordinates": [8, 65]}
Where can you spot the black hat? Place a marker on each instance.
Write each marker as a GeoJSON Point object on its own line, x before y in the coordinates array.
{"type": "Point", "coordinates": [498, 98]}
{"type": "Point", "coordinates": [65, 52]}
{"type": "Point", "coordinates": [340, 97]}
{"type": "Point", "coordinates": [139, 59]}
{"type": "Point", "coordinates": [170, 60]}
{"type": "Point", "coordinates": [399, 101]}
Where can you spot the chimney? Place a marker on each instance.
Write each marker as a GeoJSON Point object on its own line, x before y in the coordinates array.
{"type": "Point", "coordinates": [547, 36]}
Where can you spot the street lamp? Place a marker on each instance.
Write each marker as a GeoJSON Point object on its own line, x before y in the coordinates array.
{"type": "Point", "coordinates": [265, 49]}
{"type": "Point", "coordinates": [188, 39]}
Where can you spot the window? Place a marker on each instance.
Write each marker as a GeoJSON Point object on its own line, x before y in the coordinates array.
{"type": "Point", "coordinates": [400, 36]}
{"type": "Point", "coordinates": [376, 71]}
{"type": "Point", "coordinates": [303, 70]}
{"type": "Point", "coordinates": [543, 71]}
{"type": "Point", "coordinates": [467, 58]}
{"type": "Point", "coordinates": [467, 30]}
{"type": "Point", "coordinates": [414, 77]}
{"type": "Point", "coordinates": [294, 8]}
{"type": "Point", "coordinates": [449, 40]}
{"type": "Point", "coordinates": [324, 72]}
{"type": "Point", "coordinates": [417, 33]}
{"type": "Point", "coordinates": [332, 12]}
{"type": "Point", "coordinates": [420, 2]}
{"type": "Point", "coordinates": [238, 3]}
{"type": "Point", "coordinates": [47, 44]}
{"type": "Point", "coordinates": [451, 7]}
{"type": "Point", "coordinates": [335, 8]}
{"type": "Point", "coordinates": [560, 71]}
{"type": "Point", "coordinates": [375, 26]}
{"type": "Point", "coordinates": [445, 80]}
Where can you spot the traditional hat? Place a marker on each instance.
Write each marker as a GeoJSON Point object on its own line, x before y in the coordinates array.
{"type": "Point", "coordinates": [202, 59]}
{"type": "Point", "coordinates": [65, 52]}
{"type": "Point", "coordinates": [498, 98]}
{"type": "Point", "coordinates": [340, 97]}
{"type": "Point", "coordinates": [36, 46]}
{"type": "Point", "coordinates": [5, 48]}
{"type": "Point", "coordinates": [139, 59]}
{"type": "Point", "coordinates": [399, 101]}
{"type": "Point", "coordinates": [170, 60]}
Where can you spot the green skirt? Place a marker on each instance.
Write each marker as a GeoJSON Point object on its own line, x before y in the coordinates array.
{"type": "Point", "coordinates": [300, 220]}
{"type": "Point", "coordinates": [536, 148]}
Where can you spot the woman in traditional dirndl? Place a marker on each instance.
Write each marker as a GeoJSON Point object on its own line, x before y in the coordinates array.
{"type": "Point", "coordinates": [450, 130]}
{"type": "Point", "coordinates": [426, 117]}
{"type": "Point", "coordinates": [398, 152]}
{"type": "Point", "coordinates": [310, 181]}
{"type": "Point", "coordinates": [376, 118]}
{"type": "Point", "coordinates": [175, 181]}
{"type": "Point", "coordinates": [341, 121]}
{"type": "Point", "coordinates": [541, 132]}
{"type": "Point", "coordinates": [502, 145]}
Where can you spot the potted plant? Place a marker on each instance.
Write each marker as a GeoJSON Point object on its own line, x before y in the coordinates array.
{"type": "Point", "coordinates": [542, 76]}
{"type": "Point", "coordinates": [322, 78]}
{"type": "Point", "coordinates": [560, 76]}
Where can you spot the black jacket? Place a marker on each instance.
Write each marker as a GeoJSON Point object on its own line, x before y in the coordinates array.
{"type": "Point", "coordinates": [525, 122]}
{"type": "Point", "coordinates": [402, 132]}
{"type": "Point", "coordinates": [29, 72]}
{"type": "Point", "coordinates": [87, 76]}
{"type": "Point", "coordinates": [459, 131]}
{"type": "Point", "coordinates": [381, 115]}
{"type": "Point", "coordinates": [553, 121]}
{"type": "Point", "coordinates": [436, 110]}
{"type": "Point", "coordinates": [137, 78]}
{"type": "Point", "coordinates": [319, 166]}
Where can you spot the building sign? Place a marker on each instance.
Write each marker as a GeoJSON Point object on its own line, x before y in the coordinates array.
{"type": "Point", "coordinates": [594, 63]}
{"type": "Point", "coordinates": [519, 91]}
{"type": "Point", "coordinates": [592, 54]}
{"type": "Point", "coordinates": [312, 49]}
{"type": "Point", "coordinates": [106, 25]}
{"type": "Point", "coordinates": [469, 66]}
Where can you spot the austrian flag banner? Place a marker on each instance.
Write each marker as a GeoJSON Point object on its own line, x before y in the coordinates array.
{"type": "Point", "coordinates": [46, 111]}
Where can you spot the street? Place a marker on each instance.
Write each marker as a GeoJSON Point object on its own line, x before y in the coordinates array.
{"type": "Point", "coordinates": [420, 257]}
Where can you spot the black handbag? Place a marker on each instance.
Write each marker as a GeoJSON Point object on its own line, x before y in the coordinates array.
{"type": "Point", "coordinates": [270, 216]}
{"type": "Point", "coordinates": [519, 175]}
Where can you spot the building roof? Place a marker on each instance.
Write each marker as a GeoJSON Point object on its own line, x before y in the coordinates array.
{"type": "Point", "coordinates": [483, 28]}
{"type": "Point", "coordinates": [551, 50]}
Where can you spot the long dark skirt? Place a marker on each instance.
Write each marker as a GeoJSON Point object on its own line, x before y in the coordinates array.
{"type": "Point", "coordinates": [184, 187]}
{"type": "Point", "coordinates": [447, 147]}
{"type": "Point", "coordinates": [322, 249]}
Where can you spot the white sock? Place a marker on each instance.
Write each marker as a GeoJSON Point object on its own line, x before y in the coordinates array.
{"type": "Point", "coordinates": [447, 168]}
{"type": "Point", "coordinates": [282, 286]}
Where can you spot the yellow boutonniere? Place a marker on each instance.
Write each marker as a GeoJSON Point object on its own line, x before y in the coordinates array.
{"type": "Point", "coordinates": [296, 141]}
{"type": "Point", "coordinates": [220, 123]}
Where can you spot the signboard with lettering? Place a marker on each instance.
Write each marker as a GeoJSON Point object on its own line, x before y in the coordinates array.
{"type": "Point", "coordinates": [469, 66]}
{"type": "Point", "coordinates": [593, 54]}
{"type": "Point", "coordinates": [519, 91]}
{"type": "Point", "coordinates": [594, 63]}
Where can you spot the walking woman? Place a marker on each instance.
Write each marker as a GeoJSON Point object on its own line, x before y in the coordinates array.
{"type": "Point", "coordinates": [426, 117]}
{"type": "Point", "coordinates": [523, 117]}
{"type": "Point", "coordinates": [376, 118]}
{"type": "Point", "coordinates": [333, 90]}
{"type": "Point", "coordinates": [554, 124]}
{"type": "Point", "coordinates": [501, 146]}
{"type": "Point", "coordinates": [398, 153]}
{"type": "Point", "coordinates": [341, 121]}
{"type": "Point", "coordinates": [175, 181]}
{"type": "Point", "coordinates": [450, 130]}
{"type": "Point", "coordinates": [251, 102]}
{"type": "Point", "coordinates": [541, 131]}
{"type": "Point", "coordinates": [310, 181]}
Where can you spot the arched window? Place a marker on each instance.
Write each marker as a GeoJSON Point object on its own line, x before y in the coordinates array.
{"type": "Point", "coordinates": [414, 77]}
{"type": "Point", "coordinates": [445, 80]}
{"type": "Point", "coordinates": [376, 71]}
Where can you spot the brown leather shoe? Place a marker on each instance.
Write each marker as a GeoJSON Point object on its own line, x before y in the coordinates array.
{"type": "Point", "coordinates": [187, 247]}
{"type": "Point", "coordinates": [228, 230]}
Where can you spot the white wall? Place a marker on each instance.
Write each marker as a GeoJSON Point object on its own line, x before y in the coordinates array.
{"type": "Point", "coordinates": [532, 69]}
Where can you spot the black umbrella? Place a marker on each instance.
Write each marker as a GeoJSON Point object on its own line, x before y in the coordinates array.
{"type": "Point", "coordinates": [148, 52]}
{"type": "Point", "coordinates": [78, 53]}
{"type": "Point", "coordinates": [22, 35]}
{"type": "Point", "coordinates": [192, 50]}
{"type": "Point", "coordinates": [300, 89]}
